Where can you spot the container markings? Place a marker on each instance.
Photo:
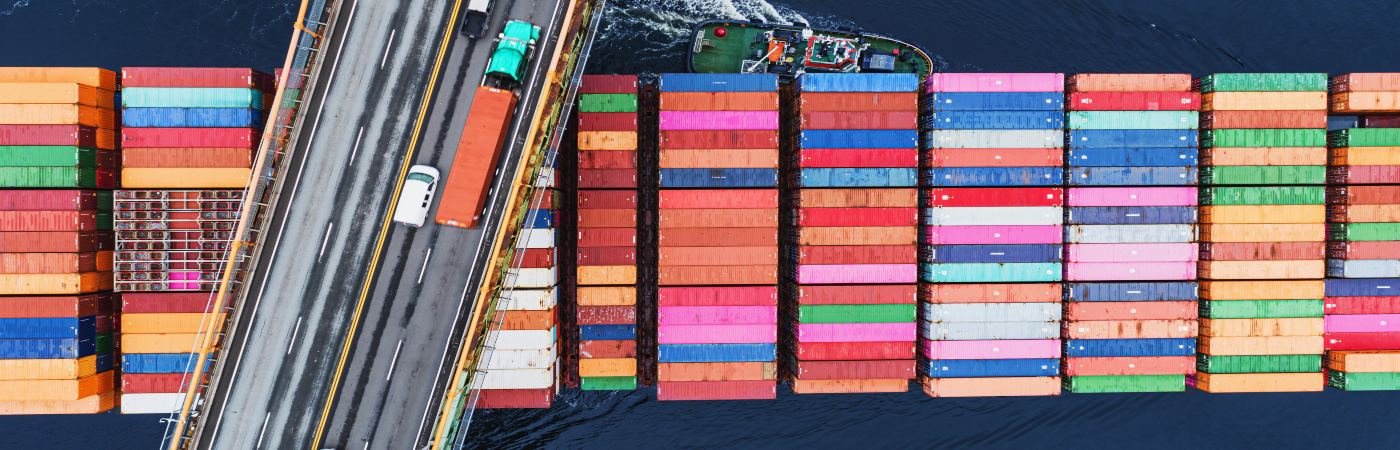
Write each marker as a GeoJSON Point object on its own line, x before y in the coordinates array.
{"type": "Point", "coordinates": [293, 340]}
{"type": "Point", "coordinates": [386, 48]}
{"type": "Point", "coordinates": [424, 269]}
{"type": "Point", "coordinates": [325, 240]}
{"type": "Point", "coordinates": [394, 361]}
{"type": "Point", "coordinates": [356, 149]}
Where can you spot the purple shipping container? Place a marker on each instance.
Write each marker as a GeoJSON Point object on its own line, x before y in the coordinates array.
{"type": "Point", "coordinates": [716, 315]}
{"type": "Point", "coordinates": [1165, 252]}
{"type": "Point", "coordinates": [857, 332]}
{"type": "Point", "coordinates": [717, 334]}
{"type": "Point", "coordinates": [858, 274]}
{"type": "Point", "coordinates": [1133, 196]}
{"type": "Point", "coordinates": [993, 234]}
{"type": "Point", "coordinates": [719, 120]}
{"type": "Point", "coordinates": [995, 82]}
{"type": "Point", "coordinates": [997, 349]}
{"type": "Point", "coordinates": [1362, 323]}
{"type": "Point", "coordinates": [1130, 271]}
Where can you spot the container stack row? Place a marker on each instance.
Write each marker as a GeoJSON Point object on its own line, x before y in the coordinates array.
{"type": "Point", "coordinates": [1130, 256]}
{"type": "Point", "coordinates": [58, 328]}
{"type": "Point", "coordinates": [1363, 298]}
{"type": "Point", "coordinates": [1263, 231]}
{"type": "Point", "coordinates": [853, 272]}
{"type": "Point", "coordinates": [993, 236]}
{"type": "Point", "coordinates": [607, 233]}
{"type": "Point", "coordinates": [191, 127]}
{"type": "Point", "coordinates": [717, 240]}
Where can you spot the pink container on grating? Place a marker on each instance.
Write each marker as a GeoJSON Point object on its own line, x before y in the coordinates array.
{"type": "Point", "coordinates": [1138, 252]}
{"type": "Point", "coordinates": [995, 82]}
{"type": "Point", "coordinates": [858, 274]}
{"type": "Point", "coordinates": [717, 315]}
{"type": "Point", "coordinates": [719, 120]}
{"type": "Point", "coordinates": [717, 334]}
{"type": "Point", "coordinates": [1132, 196]}
{"type": "Point", "coordinates": [1362, 323]}
{"type": "Point", "coordinates": [1130, 271]}
{"type": "Point", "coordinates": [994, 349]}
{"type": "Point", "coordinates": [994, 234]}
{"type": "Point", "coordinates": [857, 332]}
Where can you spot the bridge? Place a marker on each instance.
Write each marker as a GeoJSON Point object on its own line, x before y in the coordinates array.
{"type": "Point", "coordinates": [346, 331]}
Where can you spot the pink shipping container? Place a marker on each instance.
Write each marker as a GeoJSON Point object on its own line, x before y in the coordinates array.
{"type": "Point", "coordinates": [995, 82]}
{"type": "Point", "coordinates": [48, 221]}
{"type": "Point", "coordinates": [994, 349]}
{"type": "Point", "coordinates": [858, 274]}
{"type": "Point", "coordinates": [718, 334]}
{"type": "Point", "coordinates": [857, 332]}
{"type": "Point", "coordinates": [1184, 270]}
{"type": "Point", "coordinates": [1362, 323]}
{"type": "Point", "coordinates": [1133, 196]}
{"type": "Point", "coordinates": [190, 137]}
{"type": "Point", "coordinates": [48, 200]}
{"type": "Point", "coordinates": [207, 77]}
{"type": "Point", "coordinates": [716, 315]}
{"type": "Point", "coordinates": [1006, 234]}
{"type": "Point", "coordinates": [718, 296]}
{"type": "Point", "coordinates": [1137, 252]}
{"type": "Point", "coordinates": [719, 120]}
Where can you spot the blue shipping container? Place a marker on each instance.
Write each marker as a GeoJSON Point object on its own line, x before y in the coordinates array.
{"type": "Point", "coordinates": [607, 332]}
{"type": "Point", "coordinates": [49, 328]}
{"type": "Point", "coordinates": [159, 362]}
{"type": "Point", "coordinates": [1371, 287]}
{"type": "Point", "coordinates": [1133, 157]}
{"type": "Point", "coordinates": [719, 178]}
{"type": "Point", "coordinates": [859, 82]}
{"type": "Point", "coordinates": [106, 361]}
{"type": "Point", "coordinates": [1130, 347]}
{"type": "Point", "coordinates": [1132, 176]}
{"type": "Point", "coordinates": [192, 118]}
{"type": "Point", "coordinates": [860, 139]}
{"type": "Point", "coordinates": [1159, 291]}
{"type": "Point", "coordinates": [680, 353]}
{"type": "Point", "coordinates": [540, 218]}
{"type": "Point", "coordinates": [996, 120]}
{"type": "Point", "coordinates": [1016, 253]}
{"type": "Point", "coordinates": [995, 176]}
{"type": "Point", "coordinates": [860, 177]}
{"type": "Point", "coordinates": [970, 368]}
{"type": "Point", "coordinates": [998, 101]}
{"type": "Point", "coordinates": [1131, 138]}
{"type": "Point", "coordinates": [1130, 215]}
{"type": "Point", "coordinates": [718, 82]}
{"type": "Point", "coordinates": [70, 348]}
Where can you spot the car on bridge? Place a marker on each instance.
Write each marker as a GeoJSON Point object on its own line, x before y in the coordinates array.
{"type": "Point", "coordinates": [513, 48]}
{"type": "Point", "coordinates": [416, 197]}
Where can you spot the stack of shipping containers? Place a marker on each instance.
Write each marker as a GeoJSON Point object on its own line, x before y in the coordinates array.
{"type": "Point", "coordinates": [188, 136]}
{"type": "Point", "coordinates": [993, 217]}
{"type": "Point", "coordinates": [1130, 256]}
{"type": "Point", "coordinates": [1263, 231]}
{"type": "Point", "coordinates": [1363, 299]}
{"type": "Point", "coordinates": [57, 330]}
{"type": "Point", "coordinates": [854, 270]}
{"type": "Point", "coordinates": [606, 258]}
{"type": "Point", "coordinates": [718, 237]}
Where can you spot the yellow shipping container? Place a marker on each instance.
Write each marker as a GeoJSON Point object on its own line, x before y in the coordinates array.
{"type": "Point", "coordinates": [57, 115]}
{"type": "Point", "coordinates": [170, 178]}
{"type": "Point", "coordinates": [1302, 326]}
{"type": "Point", "coordinates": [90, 76]}
{"type": "Point", "coordinates": [607, 140]}
{"type": "Point", "coordinates": [168, 323]}
{"type": "Point", "coordinates": [1263, 270]}
{"type": "Point", "coordinates": [1264, 156]}
{"type": "Point", "coordinates": [1373, 213]}
{"type": "Point", "coordinates": [47, 369]}
{"type": "Point", "coordinates": [1365, 156]}
{"type": "Point", "coordinates": [87, 405]}
{"type": "Point", "coordinates": [607, 295]}
{"type": "Point", "coordinates": [607, 367]}
{"type": "Point", "coordinates": [1264, 232]}
{"type": "Point", "coordinates": [1364, 361]}
{"type": "Point", "coordinates": [57, 93]}
{"type": "Point", "coordinates": [57, 389]}
{"type": "Point", "coordinates": [1264, 101]}
{"type": "Point", "coordinates": [1257, 345]}
{"type": "Point", "coordinates": [54, 283]}
{"type": "Point", "coordinates": [607, 275]}
{"type": "Point", "coordinates": [158, 343]}
{"type": "Point", "coordinates": [1365, 102]}
{"type": "Point", "coordinates": [857, 236]}
{"type": "Point", "coordinates": [1263, 290]}
{"type": "Point", "coordinates": [1259, 382]}
{"type": "Point", "coordinates": [1263, 214]}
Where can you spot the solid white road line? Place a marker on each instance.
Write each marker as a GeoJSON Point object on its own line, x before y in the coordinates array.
{"type": "Point", "coordinates": [293, 340]}
{"type": "Point", "coordinates": [386, 48]}
{"type": "Point", "coordinates": [424, 269]}
{"type": "Point", "coordinates": [263, 431]}
{"type": "Point", "coordinates": [325, 240]}
{"type": "Point", "coordinates": [356, 150]}
{"type": "Point", "coordinates": [394, 361]}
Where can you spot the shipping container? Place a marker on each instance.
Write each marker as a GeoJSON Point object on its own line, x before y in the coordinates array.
{"type": "Point", "coordinates": [490, 116]}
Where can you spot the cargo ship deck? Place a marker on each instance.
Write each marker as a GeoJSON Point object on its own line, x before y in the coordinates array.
{"type": "Point", "coordinates": [721, 46]}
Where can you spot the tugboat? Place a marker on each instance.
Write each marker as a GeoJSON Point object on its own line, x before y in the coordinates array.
{"type": "Point", "coordinates": [726, 46]}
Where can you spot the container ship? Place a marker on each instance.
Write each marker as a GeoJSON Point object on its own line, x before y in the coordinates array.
{"type": "Point", "coordinates": [724, 46]}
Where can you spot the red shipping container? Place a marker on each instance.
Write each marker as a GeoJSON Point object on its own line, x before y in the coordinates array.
{"type": "Point", "coordinates": [718, 199]}
{"type": "Point", "coordinates": [884, 294]}
{"type": "Point", "coordinates": [55, 241]}
{"type": "Point", "coordinates": [1263, 251]}
{"type": "Point", "coordinates": [718, 139]}
{"type": "Point", "coordinates": [1366, 195]}
{"type": "Point", "coordinates": [153, 383]}
{"type": "Point", "coordinates": [607, 237]}
{"type": "Point", "coordinates": [167, 302]}
{"type": "Point", "coordinates": [206, 77]}
{"type": "Point", "coordinates": [1364, 175]}
{"type": "Point", "coordinates": [607, 199]}
{"type": "Point", "coordinates": [622, 121]}
{"type": "Point", "coordinates": [1362, 305]}
{"type": "Point", "coordinates": [858, 254]}
{"type": "Point", "coordinates": [1135, 365]}
{"type": "Point", "coordinates": [717, 237]}
{"type": "Point", "coordinates": [995, 157]}
{"type": "Point", "coordinates": [607, 349]}
{"type": "Point", "coordinates": [607, 218]}
{"type": "Point", "coordinates": [608, 84]}
{"type": "Point", "coordinates": [860, 157]}
{"type": "Point", "coordinates": [48, 200]}
{"type": "Point", "coordinates": [607, 315]}
{"type": "Point", "coordinates": [1361, 341]}
{"type": "Point", "coordinates": [607, 256]}
{"type": "Point", "coordinates": [856, 370]}
{"type": "Point", "coordinates": [850, 351]}
{"type": "Point", "coordinates": [860, 120]}
{"type": "Point", "coordinates": [74, 135]}
{"type": "Point", "coordinates": [859, 101]}
{"type": "Point", "coordinates": [1156, 310]}
{"type": "Point", "coordinates": [55, 262]}
{"type": "Point", "coordinates": [186, 157]}
{"type": "Point", "coordinates": [718, 218]}
{"type": "Point", "coordinates": [190, 137]}
{"type": "Point", "coordinates": [1134, 101]}
{"type": "Point", "coordinates": [1364, 250]}
{"type": "Point", "coordinates": [718, 296]}
{"type": "Point", "coordinates": [52, 306]}
{"type": "Point", "coordinates": [959, 197]}
{"type": "Point", "coordinates": [992, 293]}
{"type": "Point", "coordinates": [514, 398]}
{"type": "Point", "coordinates": [607, 178]}
{"type": "Point", "coordinates": [1264, 119]}
{"type": "Point", "coordinates": [537, 258]}
{"type": "Point", "coordinates": [607, 159]}
{"type": "Point", "coordinates": [48, 221]}
{"type": "Point", "coordinates": [716, 390]}
{"type": "Point", "coordinates": [1380, 121]}
{"type": "Point", "coordinates": [546, 198]}
{"type": "Point", "coordinates": [857, 217]}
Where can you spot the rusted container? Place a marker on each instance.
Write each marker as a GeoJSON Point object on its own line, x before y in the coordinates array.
{"type": "Point", "coordinates": [607, 349]}
{"type": "Point", "coordinates": [718, 237]}
{"type": "Point", "coordinates": [608, 84]}
{"type": "Point", "coordinates": [524, 320]}
{"type": "Point", "coordinates": [716, 371]}
{"type": "Point", "coordinates": [719, 101]}
{"type": "Point", "coordinates": [1264, 119]}
{"type": "Point", "coordinates": [606, 296]}
{"type": "Point", "coordinates": [858, 101]}
{"type": "Point", "coordinates": [856, 386]}
{"type": "Point", "coordinates": [695, 139]}
{"type": "Point", "coordinates": [757, 158]}
{"type": "Point", "coordinates": [600, 121]}
{"type": "Point", "coordinates": [1264, 156]}
{"type": "Point", "coordinates": [1259, 382]}
{"type": "Point", "coordinates": [858, 198]}
{"type": "Point", "coordinates": [718, 218]}
{"type": "Point", "coordinates": [607, 140]}
{"type": "Point", "coordinates": [1130, 329]}
{"type": "Point", "coordinates": [1264, 101]}
{"type": "Point", "coordinates": [1263, 251]}
{"type": "Point", "coordinates": [717, 275]}
{"type": "Point", "coordinates": [859, 120]}
{"type": "Point", "coordinates": [1365, 250]}
{"type": "Point", "coordinates": [1129, 82]}
{"type": "Point", "coordinates": [858, 254]}
{"type": "Point", "coordinates": [607, 178]}
{"type": "Point", "coordinates": [993, 293]}
{"type": "Point", "coordinates": [857, 295]}
{"type": "Point", "coordinates": [717, 256]}
{"type": "Point", "coordinates": [186, 157]}
{"type": "Point", "coordinates": [854, 351]}
{"type": "Point", "coordinates": [991, 386]}
{"type": "Point", "coordinates": [606, 315]}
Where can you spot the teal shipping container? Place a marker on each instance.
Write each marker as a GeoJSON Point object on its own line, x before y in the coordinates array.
{"type": "Point", "coordinates": [1133, 120]}
{"type": "Point", "coordinates": [192, 98]}
{"type": "Point", "coordinates": [1263, 82]}
{"type": "Point", "coordinates": [992, 272]}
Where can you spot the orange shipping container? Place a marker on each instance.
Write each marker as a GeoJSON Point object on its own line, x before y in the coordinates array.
{"type": "Point", "coordinates": [754, 158]}
{"type": "Point", "coordinates": [607, 218]}
{"type": "Point", "coordinates": [1130, 82]}
{"type": "Point", "coordinates": [89, 76]}
{"type": "Point", "coordinates": [47, 369]}
{"type": "Point", "coordinates": [167, 322]}
{"type": "Point", "coordinates": [1130, 329]}
{"type": "Point", "coordinates": [993, 293]}
{"type": "Point", "coordinates": [87, 405]}
{"type": "Point", "coordinates": [717, 256]}
{"type": "Point", "coordinates": [719, 101]}
{"type": "Point", "coordinates": [1262, 290]}
{"type": "Point", "coordinates": [1365, 102]}
{"type": "Point", "coordinates": [717, 237]}
{"type": "Point", "coordinates": [524, 320]}
{"type": "Point", "coordinates": [1263, 251]}
{"type": "Point", "coordinates": [1259, 382]}
{"type": "Point", "coordinates": [717, 275]}
{"type": "Point", "coordinates": [1364, 81]}
{"type": "Point", "coordinates": [991, 386]}
{"type": "Point", "coordinates": [607, 140]}
{"type": "Point", "coordinates": [57, 93]}
{"type": "Point", "coordinates": [606, 296]}
{"type": "Point", "coordinates": [1264, 156]}
{"type": "Point", "coordinates": [55, 283]}
{"type": "Point", "coordinates": [719, 199]}
{"type": "Point", "coordinates": [1158, 310]}
{"type": "Point", "coordinates": [866, 386]}
{"type": "Point", "coordinates": [1263, 214]}
{"type": "Point", "coordinates": [1370, 195]}
{"type": "Point", "coordinates": [55, 262]}
{"type": "Point", "coordinates": [171, 178]}
{"type": "Point", "coordinates": [1272, 232]}
{"type": "Point", "coordinates": [1364, 361]}
{"type": "Point", "coordinates": [859, 101]}
{"type": "Point", "coordinates": [607, 367]}
{"type": "Point", "coordinates": [1365, 156]}
{"type": "Point", "coordinates": [1261, 345]}
{"type": "Point", "coordinates": [1264, 119]}
{"type": "Point", "coordinates": [159, 343]}
{"type": "Point", "coordinates": [607, 275]}
{"type": "Point", "coordinates": [857, 236]}
{"type": "Point", "coordinates": [1263, 101]}
{"type": "Point", "coordinates": [858, 198]}
{"type": "Point", "coordinates": [716, 371]}
{"type": "Point", "coordinates": [1262, 270]}
{"type": "Point", "coordinates": [1373, 213]}
{"type": "Point", "coordinates": [186, 158]}
{"type": "Point", "coordinates": [718, 218]}
{"type": "Point", "coordinates": [1302, 326]}
{"type": "Point", "coordinates": [57, 389]}
{"type": "Point", "coordinates": [57, 115]}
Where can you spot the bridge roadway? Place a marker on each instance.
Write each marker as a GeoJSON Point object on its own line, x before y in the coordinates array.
{"type": "Point", "coordinates": [282, 365]}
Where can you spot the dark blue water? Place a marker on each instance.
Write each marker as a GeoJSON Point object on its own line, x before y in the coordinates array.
{"type": "Point", "coordinates": [969, 35]}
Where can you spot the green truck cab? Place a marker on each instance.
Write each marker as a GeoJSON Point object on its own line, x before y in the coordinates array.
{"type": "Point", "coordinates": [513, 48]}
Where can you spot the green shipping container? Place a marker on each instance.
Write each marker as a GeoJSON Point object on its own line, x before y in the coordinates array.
{"type": "Point", "coordinates": [1364, 381]}
{"type": "Point", "coordinates": [47, 156]}
{"type": "Point", "coordinates": [992, 272]}
{"type": "Point", "coordinates": [1270, 195]}
{"type": "Point", "coordinates": [104, 342]}
{"type": "Point", "coordinates": [104, 200]}
{"type": "Point", "coordinates": [1225, 175]}
{"type": "Point", "coordinates": [48, 177]}
{"type": "Point", "coordinates": [1259, 364]}
{"type": "Point", "coordinates": [1386, 231]}
{"type": "Point", "coordinates": [1125, 383]}
{"type": "Point", "coordinates": [152, 97]}
{"type": "Point", "coordinates": [1264, 82]}
{"type": "Point", "coordinates": [1261, 309]}
{"type": "Point", "coordinates": [1264, 137]}
{"type": "Point", "coordinates": [607, 383]}
{"type": "Point", "coordinates": [857, 313]}
{"type": "Point", "coordinates": [1133, 120]}
{"type": "Point", "coordinates": [588, 103]}
{"type": "Point", "coordinates": [1365, 137]}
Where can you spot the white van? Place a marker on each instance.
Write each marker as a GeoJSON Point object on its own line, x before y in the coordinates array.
{"type": "Point", "coordinates": [416, 197]}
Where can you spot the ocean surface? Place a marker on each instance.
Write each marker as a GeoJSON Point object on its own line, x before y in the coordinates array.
{"type": "Point", "coordinates": [969, 35]}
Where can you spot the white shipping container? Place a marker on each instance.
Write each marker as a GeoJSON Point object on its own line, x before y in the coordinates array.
{"type": "Point", "coordinates": [528, 299]}
{"type": "Point", "coordinates": [164, 403]}
{"type": "Point", "coordinates": [1123, 234]}
{"type": "Point", "coordinates": [516, 379]}
{"type": "Point", "coordinates": [992, 312]}
{"type": "Point", "coordinates": [522, 339]}
{"type": "Point", "coordinates": [995, 215]}
{"type": "Point", "coordinates": [545, 178]}
{"type": "Point", "coordinates": [535, 238]}
{"type": "Point", "coordinates": [1364, 268]}
{"type": "Point", "coordinates": [996, 138]}
{"type": "Point", "coordinates": [975, 331]}
{"type": "Point", "coordinates": [531, 278]}
{"type": "Point", "coordinates": [521, 359]}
